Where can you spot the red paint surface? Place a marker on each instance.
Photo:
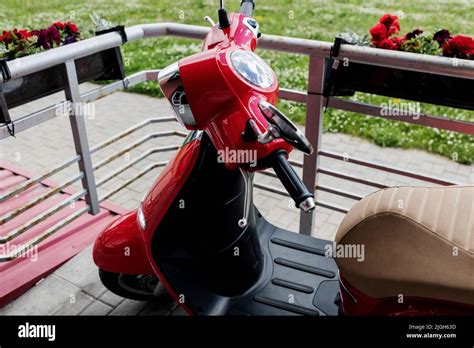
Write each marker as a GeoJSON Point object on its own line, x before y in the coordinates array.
{"type": "Point", "coordinates": [162, 194]}
{"type": "Point", "coordinates": [355, 302]}
{"type": "Point", "coordinates": [221, 100]}
{"type": "Point", "coordinates": [120, 247]}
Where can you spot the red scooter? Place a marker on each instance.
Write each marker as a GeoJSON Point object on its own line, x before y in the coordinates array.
{"type": "Point", "coordinates": [198, 239]}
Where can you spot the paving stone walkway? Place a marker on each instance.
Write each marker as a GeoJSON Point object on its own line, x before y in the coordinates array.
{"type": "Point", "coordinates": [75, 288]}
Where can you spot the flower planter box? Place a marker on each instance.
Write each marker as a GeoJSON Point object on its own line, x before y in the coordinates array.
{"type": "Point", "coordinates": [347, 79]}
{"type": "Point", "coordinates": [390, 82]}
{"type": "Point", "coordinates": [101, 66]}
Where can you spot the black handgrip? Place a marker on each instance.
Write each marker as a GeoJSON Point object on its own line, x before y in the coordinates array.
{"type": "Point", "coordinates": [292, 182]}
{"type": "Point", "coordinates": [246, 7]}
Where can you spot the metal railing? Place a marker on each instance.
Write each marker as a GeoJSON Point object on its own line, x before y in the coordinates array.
{"type": "Point", "coordinates": [11, 235]}
{"type": "Point", "coordinates": [317, 51]}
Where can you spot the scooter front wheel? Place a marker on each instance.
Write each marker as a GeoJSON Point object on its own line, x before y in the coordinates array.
{"type": "Point", "coordinates": [135, 286]}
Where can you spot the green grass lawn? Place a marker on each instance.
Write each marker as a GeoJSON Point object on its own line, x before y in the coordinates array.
{"type": "Point", "coordinates": [310, 19]}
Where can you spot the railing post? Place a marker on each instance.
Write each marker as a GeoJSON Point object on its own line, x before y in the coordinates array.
{"type": "Point", "coordinates": [313, 130]}
{"type": "Point", "coordinates": [79, 133]}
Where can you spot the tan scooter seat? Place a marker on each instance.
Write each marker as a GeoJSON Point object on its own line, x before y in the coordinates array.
{"type": "Point", "coordinates": [419, 241]}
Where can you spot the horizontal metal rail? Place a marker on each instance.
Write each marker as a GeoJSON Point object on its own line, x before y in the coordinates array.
{"type": "Point", "coordinates": [341, 175]}
{"type": "Point", "coordinates": [131, 180]}
{"type": "Point", "coordinates": [37, 179]}
{"type": "Point", "coordinates": [38, 219]}
{"type": "Point", "coordinates": [41, 217]}
{"type": "Point", "coordinates": [445, 123]}
{"type": "Point", "coordinates": [322, 188]}
{"type": "Point", "coordinates": [72, 217]}
{"type": "Point", "coordinates": [129, 131]}
{"type": "Point", "coordinates": [120, 170]}
{"type": "Point", "coordinates": [11, 215]}
{"type": "Point", "coordinates": [352, 178]}
{"type": "Point", "coordinates": [367, 55]}
{"type": "Point", "coordinates": [54, 111]}
{"type": "Point", "coordinates": [296, 164]}
{"type": "Point", "coordinates": [339, 192]}
{"type": "Point", "coordinates": [318, 202]}
{"type": "Point", "coordinates": [293, 95]}
{"type": "Point", "coordinates": [384, 168]}
{"type": "Point", "coordinates": [367, 182]}
{"type": "Point", "coordinates": [372, 56]}
{"type": "Point", "coordinates": [330, 206]}
{"type": "Point", "coordinates": [464, 127]}
{"type": "Point", "coordinates": [129, 81]}
{"type": "Point", "coordinates": [21, 250]}
{"type": "Point", "coordinates": [50, 231]}
{"type": "Point", "coordinates": [136, 144]}
{"type": "Point", "coordinates": [34, 119]}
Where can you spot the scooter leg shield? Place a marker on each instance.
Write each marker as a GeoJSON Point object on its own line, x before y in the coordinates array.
{"type": "Point", "coordinates": [120, 248]}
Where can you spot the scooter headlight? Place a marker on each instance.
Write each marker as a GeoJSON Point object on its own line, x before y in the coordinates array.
{"type": "Point", "coordinates": [141, 218]}
{"type": "Point", "coordinates": [252, 68]}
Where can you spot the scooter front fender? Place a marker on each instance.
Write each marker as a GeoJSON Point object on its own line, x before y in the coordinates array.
{"type": "Point", "coordinates": [120, 247]}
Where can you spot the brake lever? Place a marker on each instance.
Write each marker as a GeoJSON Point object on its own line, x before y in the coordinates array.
{"type": "Point", "coordinates": [287, 129]}
{"type": "Point", "coordinates": [272, 133]}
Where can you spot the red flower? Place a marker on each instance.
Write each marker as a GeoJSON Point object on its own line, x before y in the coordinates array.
{"type": "Point", "coordinates": [17, 41]}
{"type": "Point", "coordinates": [386, 44]}
{"type": "Point", "coordinates": [391, 44]}
{"type": "Point", "coordinates": [388, 25]}
{"type": "Point", "coordinates": [5, 38]}
{"type": "Point", "coordinates": [391, 23]}
{"type": "Point", "coordinates": [397, 42]}
{"type": "Point", "coordinates": [378, 33]}
{"type": "Point", "coordinates": [15, 37]}
{"type": "Point", "coordinates": [59, 25]}
{"type": "Point", "coordinates": [47, 37]}
{"type": "Point", "coordinates": [459, 46]}
{"type": "Point", "coordinates": [22, 34]}
{"type": "Point", "coordinates": [388, 19]}
{"type": "Point", "coordinates": [72, 27]}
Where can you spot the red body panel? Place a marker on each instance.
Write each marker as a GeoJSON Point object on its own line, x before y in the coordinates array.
{"type": "Point", "coordinates": [110, 253]}
{"type": "Point", "coordinates": [354, 302]}
{"type": "Point", "coordinates": [164, 191]}
{"type": "Point", "coordinates": [222, 102]}
{"type": "Point", "coordinates": [169, 183]}
{"type": "Point", "coordinates": [120, 247]}
{"type": "Point", "coordinates": [237, 32]}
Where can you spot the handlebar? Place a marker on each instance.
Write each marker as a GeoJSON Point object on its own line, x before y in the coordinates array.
{"type": "Point", "coordinates": [246, 7]}
{"type": "Point", "coordinates": [304, 199]}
